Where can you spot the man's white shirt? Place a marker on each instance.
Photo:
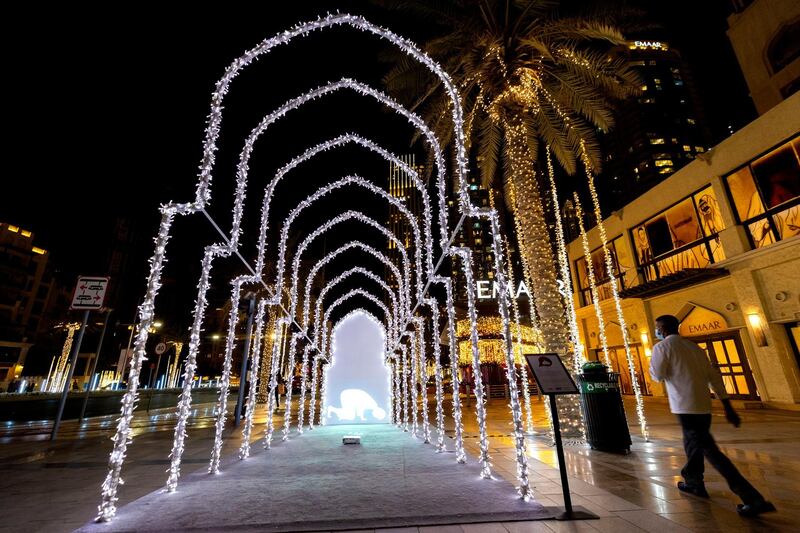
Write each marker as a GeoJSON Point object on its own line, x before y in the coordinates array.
{"type": "Point", "coordinates": [685, 369]}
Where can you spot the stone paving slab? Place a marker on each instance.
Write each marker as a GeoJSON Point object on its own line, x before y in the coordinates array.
{"type": "Point", "coordinates": [314, 482]}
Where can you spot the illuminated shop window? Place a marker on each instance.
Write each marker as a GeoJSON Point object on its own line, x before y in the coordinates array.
{"type": "Point", "coordinates": [681, 237]}
{"type": "Point", "coordinates": [766, 195]}
{"type": "Point", "coordinates": [658, 140]}
{"type": "Point", "coordinates": [621, 262]}
{"type": "Point", "coordinates": [663, 162]}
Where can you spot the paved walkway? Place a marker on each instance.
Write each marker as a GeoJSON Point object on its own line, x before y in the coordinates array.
{"type": "Point", "coordinates": [53, 487]}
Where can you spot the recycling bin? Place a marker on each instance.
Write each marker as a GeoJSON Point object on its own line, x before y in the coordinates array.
{"type": "Point", "coordinates": [603, 411]}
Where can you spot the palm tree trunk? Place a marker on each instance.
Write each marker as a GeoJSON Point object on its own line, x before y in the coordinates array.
{"type": "Point", "coordinates": [540, 272]}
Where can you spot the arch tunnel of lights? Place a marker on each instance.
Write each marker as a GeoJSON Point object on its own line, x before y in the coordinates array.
{"type": "Point", "coordinates": [407, 326]}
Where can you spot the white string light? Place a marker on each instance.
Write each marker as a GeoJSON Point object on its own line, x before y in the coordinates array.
{"type": "Point", "coordinates": [342, 140]}
{"type": "Point", "coordinates": [319, 325]}
{"type": "Point", "coordinates": [360, 88]}
{"type": "Point", "coordinates": [314, 383]}
{"type": "Point", "coordinates": [465, 254]}
{"type": "Point", "coordinates": [413, 342]}
{"type": "Point", "coordinates": [279, 333]}
{"type": "Point", "coordinates": [301, 407]}
{"type": "Point", "coordinates": [203, 196]}
{"type": "Point", "coordinates": [406, 388]}
{"type": "Point", "coordinates": [397, 402]}
{"type": "Point", "coordinates": [461, 456]}
{"type": "Point", "coordinates": [287, 405]}
{"type": "Point", "coordinates": [222, 400]}
{"type": "Point", "coordinates": [352, 245]}
{"type": "Point", "coordinates": [437, 373]}
{"type": "Point", "coordinates": [327, 226]}
{"type": "Point", "coordinates": [587, 255]}
{"type": "Point", "coordinates": [566, 278]}
{"type": "Point", "coordinates": [422, 367]}
{"type": "Point", "coordinates": [250, 404]}
{"type": "Point", "coordinates": [612, 279]}
{"type": "Point", "coordinates": [342, 299]}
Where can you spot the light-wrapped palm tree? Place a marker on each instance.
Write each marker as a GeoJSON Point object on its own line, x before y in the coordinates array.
{"type": "Point", "coordinates": [528, 79]}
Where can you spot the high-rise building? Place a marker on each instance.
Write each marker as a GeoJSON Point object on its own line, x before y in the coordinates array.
{"type": "Point", "coordinates": [28, 292]}
{"type": "Point", "coordinates": [765, 35]}
{"type": "Point", "coordinates": [657, 131]}
{"type": "Point", "coordinates": [476, 235]}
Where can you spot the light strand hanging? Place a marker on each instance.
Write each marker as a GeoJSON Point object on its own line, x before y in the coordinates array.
{"type": "Point", "coordinates": [601, 228]}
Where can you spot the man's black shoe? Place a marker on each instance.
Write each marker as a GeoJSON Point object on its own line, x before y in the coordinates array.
{"type": "Point", "coordinates": [755, 509]}
{"type": "Point", "coordinates": [697, 490]}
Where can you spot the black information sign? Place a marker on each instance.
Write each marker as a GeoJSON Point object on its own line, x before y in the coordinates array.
{"type": "Point", "coordinates": [553, 378]}
{"type": "Point", "coordinates": [551, 375]}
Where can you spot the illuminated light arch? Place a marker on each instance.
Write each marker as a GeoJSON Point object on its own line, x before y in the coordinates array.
{"type": "Point", "coordinates": [327, 226]}
{"type": "Point", "coordinates": [110, 485]}
{"type": "Point", "coordinates": [323, 191]}
{"type": "Point", "coordinates": [350, 294]}
{"type": "Point", "coordinates": [319, 329]}
{"type": "Point", "coordinates": [356, 245]}
{"type": "Point", "coordinates": [342, 140]}
{"type": "Point", "coordinates": [362, 89]}
{"type": "Point", "coordinates": [239, 281]}
{"type": "Point", "coordinates": [242, 172]}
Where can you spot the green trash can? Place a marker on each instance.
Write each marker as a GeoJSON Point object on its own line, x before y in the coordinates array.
{"type": "Point", "coordinates": [603, 411]}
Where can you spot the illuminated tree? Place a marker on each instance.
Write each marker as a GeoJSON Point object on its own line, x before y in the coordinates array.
{"type": "Point", "coordinates": [528, 78]}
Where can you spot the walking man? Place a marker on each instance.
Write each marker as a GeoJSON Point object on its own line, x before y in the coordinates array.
{"type": "Point", "coordinates": [687, 373]}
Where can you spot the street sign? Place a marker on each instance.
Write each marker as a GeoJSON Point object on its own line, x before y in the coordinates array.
{"type": "Point", "coordinates": [551, 374]}
{"type": "Point", "coordinates": [161, 348]}
{"type": "Point", "coordinates": [90, 292]}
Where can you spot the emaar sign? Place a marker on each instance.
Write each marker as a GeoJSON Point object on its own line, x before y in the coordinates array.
{"type": "Point", "coordinates": [487, 290]}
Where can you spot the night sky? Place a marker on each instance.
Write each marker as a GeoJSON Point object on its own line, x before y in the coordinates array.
{"type": "Point", "coordinates": [105, 111]}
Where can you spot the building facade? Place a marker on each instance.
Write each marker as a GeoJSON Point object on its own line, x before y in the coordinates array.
{"type": "Point", "coordinates": [28, 292]}
{"type": "Point", "coordinates": [765, 35]}
{"type": "Point", "coordinates": [656, 132]}
{"type": "Point", "coordinates": [716, 244]}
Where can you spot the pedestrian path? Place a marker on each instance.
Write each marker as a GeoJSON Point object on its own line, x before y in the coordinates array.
{"type": "Point", "coordinates": [54, 487]}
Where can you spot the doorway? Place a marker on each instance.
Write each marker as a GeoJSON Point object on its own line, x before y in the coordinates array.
{"type": "Point", "coordinates": [725, 351]}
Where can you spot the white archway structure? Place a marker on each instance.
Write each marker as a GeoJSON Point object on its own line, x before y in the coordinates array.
{"type": "Point", "coordinates": [229, 245]}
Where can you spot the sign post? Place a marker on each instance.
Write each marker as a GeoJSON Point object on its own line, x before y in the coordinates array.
{"type": "Point", "coordinates": [94, 366]}
{"type": "Point", "coordinates": [553, 378]}
{"type": "Point", "coordinates": [161, 347]}
{"type": "Point", "coordinates": [90, 292]}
